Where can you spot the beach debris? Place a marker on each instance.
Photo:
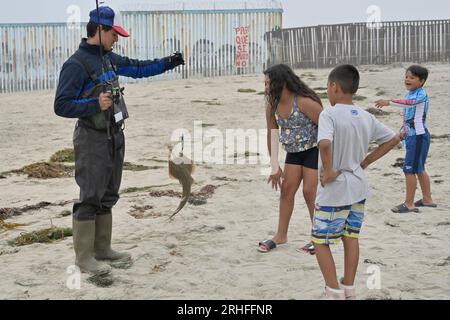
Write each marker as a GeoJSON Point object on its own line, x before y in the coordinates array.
{"type": "Point", "coordinates": [10, 226]}
{"type": "Point", "coordinates": [445, 223]}
{"type": "Point", "coordinates": [322, 95]}
{"type": "Point", "coordinates": [122, 264]}
{"type": "Point", "coordinates": [442, 136]}
{"type": "Point", "coordinates": [200, 198]}
{"type": "Point", "coordinates": [66, 155]}
{"type": "Point", "coordinates": [65, 213]}
{"type": "Point", "coordinates": [199, 101]}
{"type": "Point", "coordinates": [6, 213]}
{"type": "Point", "coordinates": [134, 167]}
{"type": "Point", "coordinates": [389, 174]}
{"type": "Point", "coordinates": [175, 253]}
{"type": "Point", "coordinates": [213, 102]}
{"type": "Point", "coordinates": [139, 212]}
{"type": "Point", "coordinates": [439, 181]}
{"type": "Point", "coordinates": [101, 280]}
{"type": "Point", "coordinates": [247, 90]}
{"type": "Point", "coordinates": [369, 261]}
{"type": "Point", "coordinates": [357, 97]}
{"type": "Point", "coordinates": [391, 224]}
{"type": "Point", "coordinates": [28, 282]}
{"type": "Point", "coordinates": [160, 267]}
{"type": "Point", "coordinates": [47, 170]}
{"type": "Point", "coordinates": [225, 179]}
{"type": "Point", "coordinates": [207, 229]}
{"type": "Point", "coordinates": [9, 251]}
{"type": "Point", "coordinates": [426, 234]}
{"type": "Point", "coordinates": [377, 112]}
{"type": "Point", "coordinates": [42, 236]}
{"type": "Point", "coordinates": [181, 168]}
{"type": "Point", "coordinates": [445, 263]}
{"type": "Point", "coordinates": [399, 163]}
{"type": "Point", "coordinates": [309, 75]}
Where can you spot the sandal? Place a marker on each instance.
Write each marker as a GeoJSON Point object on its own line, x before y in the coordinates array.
{"type": "Point", "coordinates": [266, 246]}
{"type": "Point", "coordinates": [308, 248]}
{"type": "Point", "coordinates": [402, 208]}
{"type": "Point", "coordinates": [421, 204]}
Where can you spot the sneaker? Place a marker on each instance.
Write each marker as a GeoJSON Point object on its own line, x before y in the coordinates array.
{"type": "Point", "coordinates": [334, 294]}
{"type": "Point", "coordinates": [350, 292]}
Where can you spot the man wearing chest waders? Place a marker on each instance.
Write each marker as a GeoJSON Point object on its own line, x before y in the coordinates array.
{"type": "Point", "coordinates": [88, 89]}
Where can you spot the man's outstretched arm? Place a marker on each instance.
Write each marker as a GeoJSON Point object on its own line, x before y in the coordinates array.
{"type": "Point", "coordinates": [134, 68]}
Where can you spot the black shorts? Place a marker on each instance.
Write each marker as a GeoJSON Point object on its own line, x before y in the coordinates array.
{"type": "Point", "coordinates": [308, 158]}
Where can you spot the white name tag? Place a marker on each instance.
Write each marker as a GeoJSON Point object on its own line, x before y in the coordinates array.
{"type": "Point", "coordinates": [118, 116]}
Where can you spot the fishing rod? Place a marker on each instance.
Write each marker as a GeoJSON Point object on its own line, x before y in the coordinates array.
{"type": "Point", "coordinates": [107, 112]}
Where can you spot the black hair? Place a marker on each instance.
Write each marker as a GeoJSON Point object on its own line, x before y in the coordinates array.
{"type": "Point", "coordinates": [281, 75]}
{"type": "Point", "coordinates": [347, 76]}
{"type": "Point", "coordinates": [92, 28]}
{"type": "Point", "coordinates": [419, 71]}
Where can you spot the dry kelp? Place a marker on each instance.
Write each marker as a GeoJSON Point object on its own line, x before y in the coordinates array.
{"type": "Point", "coordinates": [134, 167]}
{"type": "Point", "coordinates": [42, 236]}
{"type": "Point", "coordinates": [10, 226]}
{"type": "Point", "coordinates": [66, 155]}
{"type": "Point", "coordinates": [377, 112]}
{"type": "Point", "coordinates": [48, 170]}
{"type": "Point", "coordinates": [6, 213]}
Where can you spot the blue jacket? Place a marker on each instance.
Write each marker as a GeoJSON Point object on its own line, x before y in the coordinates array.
{"type": "Point", "coordinates": [74, 79]}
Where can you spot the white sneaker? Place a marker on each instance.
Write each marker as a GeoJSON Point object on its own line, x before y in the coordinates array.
{"type": "Point", "coordinates": [350, 291]}
{"type": "Point", "coordinates": [334, 294]}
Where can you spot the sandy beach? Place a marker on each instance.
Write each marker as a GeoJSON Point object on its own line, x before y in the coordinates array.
{"type": "Point", "coordinates": [209, 250]}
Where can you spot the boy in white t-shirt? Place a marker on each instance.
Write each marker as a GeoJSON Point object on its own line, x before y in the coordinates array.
{"type": "Point", "coordinates": [345, 132]}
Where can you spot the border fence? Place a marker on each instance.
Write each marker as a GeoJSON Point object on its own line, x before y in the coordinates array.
{"type": "Point", "coordinates": [31, 55]}
{"type": "Point", "coordinates": [360, 44]}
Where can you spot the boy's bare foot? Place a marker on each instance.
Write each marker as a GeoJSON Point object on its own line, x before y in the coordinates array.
{"type": "Point", "coordinates": [279, 240]}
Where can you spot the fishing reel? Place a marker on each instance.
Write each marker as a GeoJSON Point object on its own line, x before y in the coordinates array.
{"type": "Point", "coordinates": [115, 91]}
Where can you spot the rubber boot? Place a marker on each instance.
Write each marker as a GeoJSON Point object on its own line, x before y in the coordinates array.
{"type": "Point", "coordinates": [83, 244]}
{"type": "Point", "coordinates": [103, 231]}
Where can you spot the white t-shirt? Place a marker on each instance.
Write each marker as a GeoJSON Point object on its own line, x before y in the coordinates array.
{"type": "Point", "coordinates": [351, 130]}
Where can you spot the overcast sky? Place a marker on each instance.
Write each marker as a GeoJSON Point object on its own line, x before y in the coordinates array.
{"type": "Point", "coordinates": [296, 12]}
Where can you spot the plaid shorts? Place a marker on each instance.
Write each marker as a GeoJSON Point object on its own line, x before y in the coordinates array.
{"type": "Point", "coordinates": [332, 223]}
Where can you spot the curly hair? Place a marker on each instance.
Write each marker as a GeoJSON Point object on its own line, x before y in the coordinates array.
{"type": "Point", "coordinates": [281, 75]}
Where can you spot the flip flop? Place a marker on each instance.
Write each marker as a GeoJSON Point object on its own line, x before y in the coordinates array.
{"type": "Point", "coordinates": [308, 248]}
{"type": "Point", "coordinates": [421, 204]}
{"type": "Point", "coordinates": [266, 246]}
{"type": "Point", "coordinates": [402, 208]}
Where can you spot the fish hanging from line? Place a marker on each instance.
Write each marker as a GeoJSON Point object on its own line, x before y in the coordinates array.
{"type": "Point", "coordinates": [181, 168]}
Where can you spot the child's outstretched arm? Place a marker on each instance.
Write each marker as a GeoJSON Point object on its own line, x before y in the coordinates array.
{"type": "Point", "coordinates": [400, 103]}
